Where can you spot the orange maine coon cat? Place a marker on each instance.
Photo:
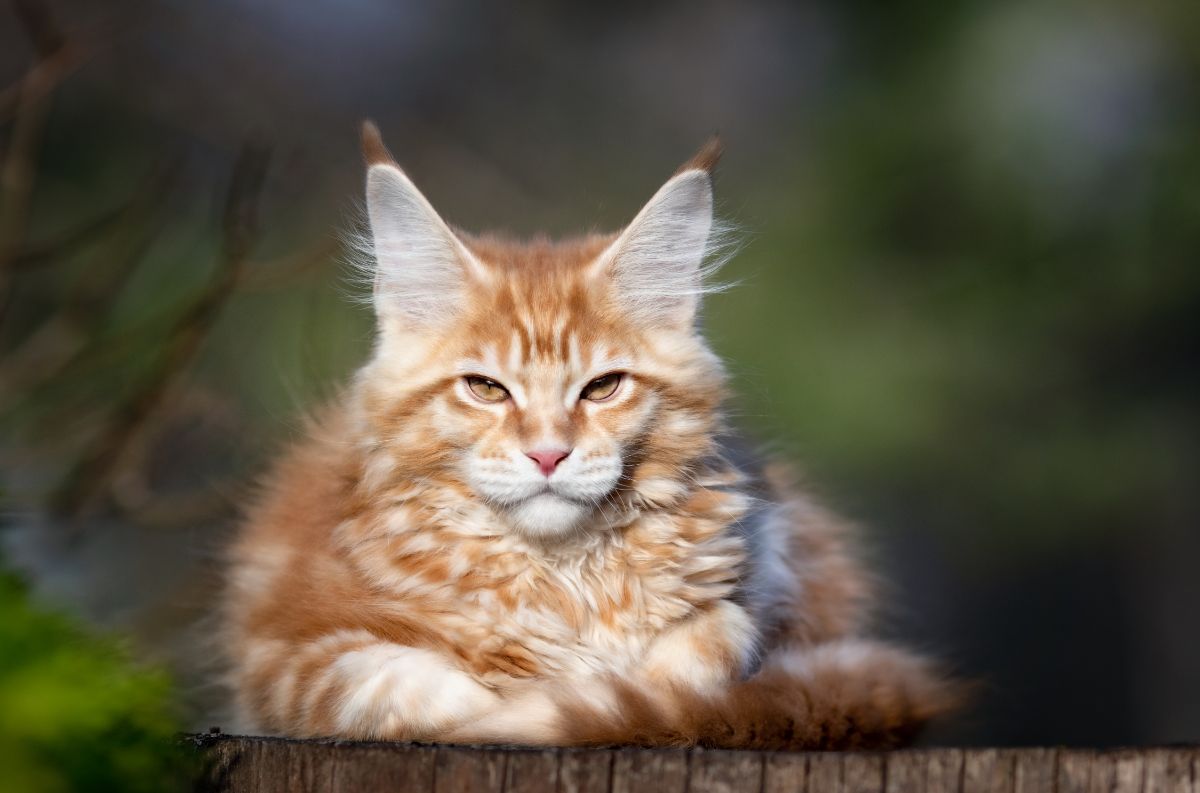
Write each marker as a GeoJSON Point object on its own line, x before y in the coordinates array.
{"type": "Point", "coordinates": [524, 522]}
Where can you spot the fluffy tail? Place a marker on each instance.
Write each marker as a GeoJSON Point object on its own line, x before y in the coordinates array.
{"type": "Point", "coordinates": [850, 694]}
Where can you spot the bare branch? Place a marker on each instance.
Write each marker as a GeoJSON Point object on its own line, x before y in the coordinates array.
{"type": "Point", "coordinates": [87, 231]}
{"type": "Point", "coordinates": [63, 336]}
{"type": "Point", "coordinates": [32, 107]}
{"type": "Point", "coordinates": [42, 77]}
{"type": "Point", "coordinates": [40, 26]}
{"type": "Point", "coordinates": [93, 473]}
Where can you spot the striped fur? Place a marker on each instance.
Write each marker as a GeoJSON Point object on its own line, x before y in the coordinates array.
{"type": "Point", "coordinates": [408, 572]}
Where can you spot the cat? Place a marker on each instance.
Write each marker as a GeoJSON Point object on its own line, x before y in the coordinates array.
{"type": "Point", "coordinates": [524, 520]}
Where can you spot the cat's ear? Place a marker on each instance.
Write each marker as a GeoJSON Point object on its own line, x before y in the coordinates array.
{"type": "Point", "coordinates": [657, 264]}
{"type": "Point", "coordinates": [422, 268]}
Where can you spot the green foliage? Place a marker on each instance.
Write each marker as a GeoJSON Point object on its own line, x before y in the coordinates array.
{"type": "Point", "coordinates": [75, 713]}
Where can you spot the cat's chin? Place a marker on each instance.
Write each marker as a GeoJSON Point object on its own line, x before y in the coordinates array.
{"type": "Point", "coordinates": [548, 515]}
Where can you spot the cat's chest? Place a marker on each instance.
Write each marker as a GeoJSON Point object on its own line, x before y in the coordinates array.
{"type": "Point", "coordinates": [512, 610]}
{"type": "Point", "coordinates": [586, 614]}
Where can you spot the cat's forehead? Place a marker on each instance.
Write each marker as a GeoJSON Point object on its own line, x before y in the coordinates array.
{"type": "Point", "coordinates": [542, 309]}
{"type": "Point", "coordinates": [537, 257]}
{"type": "Point", "coordinates": [563, 351]}
{"type": "Point", "coordinates": [556, 327]}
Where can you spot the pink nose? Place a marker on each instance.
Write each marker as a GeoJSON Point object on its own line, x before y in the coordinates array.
{"type": "Point", "coordinates": [548, 459]}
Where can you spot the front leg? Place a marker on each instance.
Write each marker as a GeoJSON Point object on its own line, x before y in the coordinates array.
{"type": "Point", "coordinates": [700, 655]}
{"type": "Point", "coordinates": [705, 652]}
{"type": "Point", "coordinates": [353, 685]}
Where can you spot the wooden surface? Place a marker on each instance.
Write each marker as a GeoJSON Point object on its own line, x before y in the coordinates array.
{"type": "Point", "coordinates": [269, 765]}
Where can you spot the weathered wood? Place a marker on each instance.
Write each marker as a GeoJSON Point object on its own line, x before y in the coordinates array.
{"type": "Point", "coordinates": [863, 774]}
{"type": "Point", "coordinates": [1075, 771]}
{"type": "Point", "coordinates": [906, 772]}
{"type": "Point", "coordinates": [269, 765]}
{"type": "Point", "coordinates": [1103, 774]}
{"type": "Point", "coordinates": [785, 773]}
{"type": "Point", "coordinates": [987, 770]}
{"type": "Point", "coordinates": [1128, 772]}
{"type": "Point", "coordinates": [824, 772]}
{"type": "Point", "coordinates": [1170, 771]}
{"type": "Point", "coordinates": [531, 772]}
{"type": "Point", "coordinates": [945, 770]}
{"type": "Point", "coordinates": [1034, 770]}
{"type": "Point", "coordinates": [383, 768]}
{"type": "Point", "coordinates": [464, 770]}
{"type": "Point", "coordinates": [585, 771]}
{"type": "Point", "coordinates": [664, 771]}
{"type": "Point", "coordinates": [725, 772]}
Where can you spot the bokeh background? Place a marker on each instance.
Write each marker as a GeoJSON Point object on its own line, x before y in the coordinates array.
{"type": "Point", "coordinates": [968, 301]}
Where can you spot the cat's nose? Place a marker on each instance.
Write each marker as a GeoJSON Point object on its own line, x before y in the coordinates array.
{"type": "Point", "coordinates": [548, 459]}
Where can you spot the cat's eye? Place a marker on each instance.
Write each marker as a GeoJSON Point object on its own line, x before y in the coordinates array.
{"type": "Point", "coordinates": [602, 388]}
{"type": "Point", "coordinates": [485, 389]}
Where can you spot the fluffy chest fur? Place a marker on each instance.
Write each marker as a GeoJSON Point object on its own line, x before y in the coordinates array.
{"type": "Point", "coordinates": [519, 608]}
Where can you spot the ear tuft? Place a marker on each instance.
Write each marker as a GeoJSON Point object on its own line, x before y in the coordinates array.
{"type": "Point", "coordinates": [706, 158]}
{"type": "Point", "coordinates": [374, 150]}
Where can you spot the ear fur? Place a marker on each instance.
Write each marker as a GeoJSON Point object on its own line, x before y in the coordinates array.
{"type": "Point", "coordinates": [422, 268]}
{"type": "Point", "coordinates": [657, 264]}
{"type": "Point", "coordinates": [706, 158]}
{"type": "Point", "coordinates": [373, 148]}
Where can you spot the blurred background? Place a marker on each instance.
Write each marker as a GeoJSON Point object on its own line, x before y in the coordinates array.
{"type": "Point", "coordinates": [968, 301]}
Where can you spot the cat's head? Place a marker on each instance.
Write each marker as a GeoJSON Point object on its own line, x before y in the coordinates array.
{"type": "Point", "coordinates": [545, 379]}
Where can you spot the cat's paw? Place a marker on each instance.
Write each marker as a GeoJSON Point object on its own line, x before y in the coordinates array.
{"type": "Point", "coordinates": [705, 652]}
{"type": "Point", "coordinates": [393, 692]}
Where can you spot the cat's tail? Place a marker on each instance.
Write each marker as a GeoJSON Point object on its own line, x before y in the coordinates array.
{"type": "Point", "coordinates": [846, 694]}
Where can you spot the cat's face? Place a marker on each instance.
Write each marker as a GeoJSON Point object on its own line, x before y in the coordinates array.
{"type": "Point", "coordinates": [543, 378]}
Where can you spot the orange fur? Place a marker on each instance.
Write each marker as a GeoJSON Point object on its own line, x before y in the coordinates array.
{"type": "Point", "coordinates": [406, 573]}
